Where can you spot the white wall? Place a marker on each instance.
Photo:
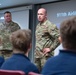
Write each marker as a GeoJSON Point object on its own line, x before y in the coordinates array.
{"type": "Point", "coordinates": [22, 18]}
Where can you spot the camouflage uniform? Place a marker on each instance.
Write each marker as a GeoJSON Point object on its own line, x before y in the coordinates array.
{"type": "Point", "coordinates": [5, 31]}
{"type": "Point", "coordinates": [46, 37]}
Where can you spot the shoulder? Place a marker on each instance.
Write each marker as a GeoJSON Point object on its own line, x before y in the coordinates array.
{"type": "Point", "coordinates": [32, 65]}
{"type": "Point", "coordinates": [34, 68]}
{"type": "Point", "coordinates": [51, 60]}
{"type": "Point", "coordinates": [1, 23]}
{"type": "Point", "coordinates": [38, 24]}
{"type": "Point", "coordinates": [15, 23]}
{"type": "Point", "coordinates": [51, 25]}
{"type": "Point", "coordinates": [1, 58]}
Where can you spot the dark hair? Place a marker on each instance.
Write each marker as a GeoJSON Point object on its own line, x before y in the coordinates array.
{"type": "Point", "coordinates": [68, 33]}
{"type": "Point", "coordinates": [7, 12]}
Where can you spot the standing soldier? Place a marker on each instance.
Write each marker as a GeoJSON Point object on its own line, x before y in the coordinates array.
{"type": "Point", "coordinates": [46, 38]}
{"type": "Point", "coordinates": [6, 28]}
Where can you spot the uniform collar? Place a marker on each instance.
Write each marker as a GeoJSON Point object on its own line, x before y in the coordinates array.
{"type": "Point", "coordinates": [5, 23]}
{"type": "Point", "coordinates": [43, 23]}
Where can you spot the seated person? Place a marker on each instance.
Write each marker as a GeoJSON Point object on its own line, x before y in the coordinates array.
{"type": "Point", "coordinates": [1, 61]}
{"type": "Point", "coordinates": [65, 62]}
{"type": "Point", "coordinates": [21, 41]}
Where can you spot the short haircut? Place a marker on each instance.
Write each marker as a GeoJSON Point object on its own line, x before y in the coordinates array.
{"type": "Point", "coordinates": [21, 39]}
{"type": "Point", "coordinates": [7, 12]}
{"type": "Point", "coordinates": [68, 33]}
{"type": "Point", "coordinates": [44, 10]}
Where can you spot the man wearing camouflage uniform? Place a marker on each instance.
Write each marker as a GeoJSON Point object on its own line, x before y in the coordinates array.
{"type": "Point", "coordinates": [6, 28]}
{"type": "Point", "coordinates": [47, 36]}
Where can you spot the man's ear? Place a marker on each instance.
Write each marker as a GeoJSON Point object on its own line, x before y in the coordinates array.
{"type": "Point", "coordinates": [60, 39]}
{"type": "Point", "coordinates": [30, 46]}
{"type": "Point", "coordinates": [46, 16]}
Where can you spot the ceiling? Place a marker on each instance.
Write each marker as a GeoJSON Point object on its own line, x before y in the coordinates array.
{"type": "Point", "coordinates": [13, 3]}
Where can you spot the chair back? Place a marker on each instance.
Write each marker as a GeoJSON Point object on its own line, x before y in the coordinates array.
{"type": "Point", "coordinates": [11, 72]}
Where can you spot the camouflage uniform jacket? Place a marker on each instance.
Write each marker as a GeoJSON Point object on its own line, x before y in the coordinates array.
{"type": "Point", "coordinates": [5, 31]}
{"type": "Point", "coordinates": [47, 36]}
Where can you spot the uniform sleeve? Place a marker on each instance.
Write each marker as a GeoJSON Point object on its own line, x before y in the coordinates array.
{"type": "Point", "coordinates": [54, 35]}
{"type": "Point", "coordinates": [17, 26]}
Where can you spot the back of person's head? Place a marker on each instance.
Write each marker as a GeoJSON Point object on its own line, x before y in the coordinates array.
{"type": "Point", "coordinates": [68, 33]}
{"type": "Point", "coordinates": [21, 40]}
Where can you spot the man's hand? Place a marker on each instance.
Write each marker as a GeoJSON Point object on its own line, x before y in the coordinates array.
{"type": "Point", "coordinates": [46, 50]}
